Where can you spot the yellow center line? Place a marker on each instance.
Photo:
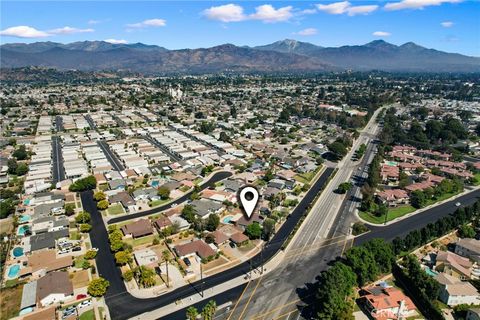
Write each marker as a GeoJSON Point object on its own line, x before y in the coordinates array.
{"type": "Point", "coordinates": [312, 248]}
{"type": "Point", "coordinates": [239, 298]}
{"type": "Point", "coordinates": [251, 296]}
{"type": "Point", "coordinates": [259, 316]}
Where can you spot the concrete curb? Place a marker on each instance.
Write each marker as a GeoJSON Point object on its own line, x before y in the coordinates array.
{"type": "Point", "coordinates": [475, 188]}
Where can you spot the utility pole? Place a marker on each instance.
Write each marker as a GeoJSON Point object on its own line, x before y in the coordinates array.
{"type": "Point", "coordinates": [201, 279]}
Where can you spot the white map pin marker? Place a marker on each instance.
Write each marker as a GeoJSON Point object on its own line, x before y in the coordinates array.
{"type": "Point", "coordinates": [249, 198]}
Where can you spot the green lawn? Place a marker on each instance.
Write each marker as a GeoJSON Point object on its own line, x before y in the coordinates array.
{"type": "Point", "coordinates": [197, 181]}
{"type": "Point", "coordinates": [115, 209]}
{"type": "Point", "coordinates": [305, 177]}
{"type": "Point", "coordinates": [140, 241]}
{"type": "Point", "coordinates": [88, 315]}
{"type": "Point", "coordinates": [103, 187]}
{"type": "Point", "coordinates": [74, 235]}
{"type": "Point", "coordinates": [392, 214]}
{"type": "Point", "coordinates": [400, 211]}
{"type": "Point", "coordinates": [157, 203]}
{"type": "Point", "coordinates": [78, 262]}
{"type": "Point", "coordinates": [477, 178]}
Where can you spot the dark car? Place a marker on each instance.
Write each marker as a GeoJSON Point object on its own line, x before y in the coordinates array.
{"type": "Point", "coordinates": [187, 262]}
{"type": "Point", "coordinates": [77, 249]}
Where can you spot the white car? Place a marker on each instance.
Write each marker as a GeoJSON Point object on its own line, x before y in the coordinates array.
{"type": "Point", "coordinates": [458, 204]}
{"type": "Point", "coordinates": [86, 303]}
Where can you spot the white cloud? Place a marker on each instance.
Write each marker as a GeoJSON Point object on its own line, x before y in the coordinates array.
{"type": "Point", "coordinates": [226, 13]}
{"type": "Point", "coordinates": [307, 32]}
{"type": "Point", "coordinates": [24, 32]}
{"type": "Point", "coordinates": [93, 21]}
{"type": "Point", "coordinates": [345, 7]}
{"type": "Point", "coordinates": [416, 4]}
{"type": "Point", "coordinates": [308, 11]}
{"type": "Point", "coordinates": [148, 23]}
{"type": "Point", "coordinates": [447, 24]}
{"type": "Point", "coordinates": [381, 34]}
{"type": "Point", "coordinates": [235, 13]}
{"type": "Point", "coordinates": [116, 41]}
{"type": "Point", "coordinates": [353, 11]}
{"type": "Point", "coordinates": [334, 8]}
{"type": "Point", "coordinates": [69, 30]}
{"type": "Point", "coordinates": [267, 13]}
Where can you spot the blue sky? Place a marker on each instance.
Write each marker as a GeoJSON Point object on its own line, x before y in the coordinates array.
{"type": "Point", "coordinates": [448, 25]}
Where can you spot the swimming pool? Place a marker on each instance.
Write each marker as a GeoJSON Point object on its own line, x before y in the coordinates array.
{"type": "Point", "coordinates": [430, 272]}
{"type": "Point", "coordinates": [26, 202]}
{"type": "Point", "coordinates": [25, 311]}
{"type": "Point", "coordinates": [17, 252]}
{"type": "Point", "coordinates": [24, 218]}
{"type": "Point", "coordinates": [22, 229]}
{"type": "Point", "coordinates": [391, 163]}
{"type": "Point", "coordinates": [155, 183]}
{"type": "Point", "coordinates": [227, 219]}
{"type": "Point", "coordinates": [13, 271]}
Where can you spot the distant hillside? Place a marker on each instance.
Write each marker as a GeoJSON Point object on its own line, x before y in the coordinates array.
{"type": "Point", "coordinates": [280, 56]}
{"type": "Point", "coordinates": [290, 46]}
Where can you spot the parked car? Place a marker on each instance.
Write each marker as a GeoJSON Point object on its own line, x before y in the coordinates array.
{"type": "Point", "coordinates": [85, 303]}
{"type": "Point", "coordinates": [187, 262]}
{"type": "Point", "coordinates": [77, 249]}
{"type": "Point", "coordinates": [458, 204]}
{"type": "Point", "coordinates": [81, 296]}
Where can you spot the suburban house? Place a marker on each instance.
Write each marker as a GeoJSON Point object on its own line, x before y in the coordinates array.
{"type": "Point", "coordinates": [393, 197]}
{"type": "Point", "coordinates": [239, 238]}
{"type": "Point", "coordinates": [45, 261]}
{"type": "Point", "coordinates": [122, 197]}
{"type": "Point", "coordinates": [454, 291]}
{"type": "Point", "coordinates": [387, 303]}
{"type": "Point", "coordinates": [468, 248]}
{"type": "Point", "coordinates": [54, 287]}
{"type": "Point", "coordinates": [162, 222]}
{"type": "Point", "coordinates": [204, 207]}
{"type": "Point", "coordinates": [138, 228]}
{"type": "Point", "coordinates": [197, 247]}
{"type": "Point", "coordinates": [146, 257]}
{"type": "Point", "coordinates": [219, 237]}
{"type": "Point", "coordinates": [453, 265]}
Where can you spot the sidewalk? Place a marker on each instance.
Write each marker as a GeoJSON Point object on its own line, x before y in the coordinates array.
{"type": "Point", "coordinates": [474, 188]}
{"type": "Point", "coordinates": [168, 309]}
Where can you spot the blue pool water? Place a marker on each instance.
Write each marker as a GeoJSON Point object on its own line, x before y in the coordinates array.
{"type": "Point", "coordinates": [227, 219]}
{"type": "Point", "coordinates": [430, 272]}
{"type": "Point", "coordinates": [25, 311]}
{"type": "Point", "coordinates": [13, 271]}
{"type": "Point", "coordinates": [155, 183]}
{"type": "Point", "coordinates": [17, 252]}
{"type": "Point", "coordinates": [26, 202]}
{"type": "Point", "coordinates": [24, 218]}
{"type": "Point", "coordinates": [22, 230]}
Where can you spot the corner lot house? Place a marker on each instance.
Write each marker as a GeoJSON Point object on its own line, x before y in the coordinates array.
{"type": "Point", "coordinates": [53, 288]}
{"type": "Point", "coordinates": [388, 303]}
{"type": "Point", "coordinates": [138, 228]}
{"type": "Point", "coordinates": [198, 247]}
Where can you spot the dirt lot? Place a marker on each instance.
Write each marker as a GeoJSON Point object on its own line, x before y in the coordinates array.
{"type": "Point", "coordinates": [10, 302]}
{"type": "Point", "coordinates": [80, 279]}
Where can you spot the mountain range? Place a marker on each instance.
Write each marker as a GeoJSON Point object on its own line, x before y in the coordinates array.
{"type": "Point", "coordinates": [281, 56]}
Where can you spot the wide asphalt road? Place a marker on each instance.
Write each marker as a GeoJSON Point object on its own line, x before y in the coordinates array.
{"type": "Point", "coordinates": [218, 176]}
{"type": "Point", "coordinates": [122, 305]}
{"type": "Point", "coordinates": [417, 221]}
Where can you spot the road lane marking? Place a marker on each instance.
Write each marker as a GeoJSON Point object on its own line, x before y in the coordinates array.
{"type": "Point", "coordinates": [259, 316]}
{"type": "Point", "coordinates": [251, 296]}
{"type": "Point", "coordinates": [238, 300]}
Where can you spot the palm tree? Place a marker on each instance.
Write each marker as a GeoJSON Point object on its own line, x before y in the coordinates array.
{"type": "Point", "coordinates": [166, 258]}
{"type": "Point", "coordinates": [192, 313]}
